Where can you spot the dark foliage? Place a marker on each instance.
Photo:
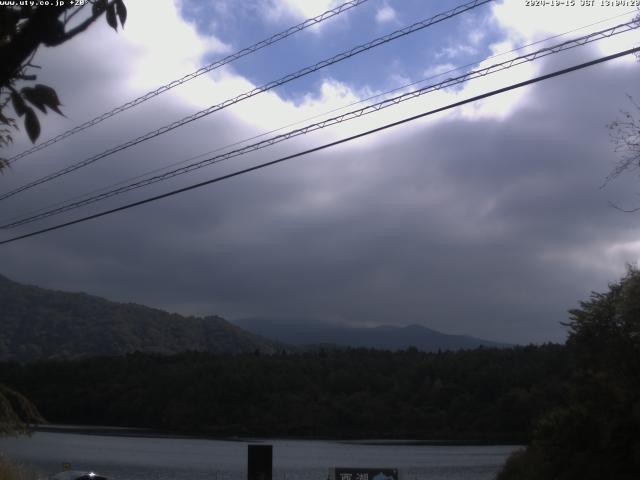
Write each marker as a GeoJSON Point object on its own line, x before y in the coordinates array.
{"type": "Point", "coordinates": [36, 323]}
{"type": "Point", "coordinates": [17, 413]}
{"type": "Point", "coordinates": [26, 26]}
{"type": "Point", "coordinates": [476, 395]}
{"type": "Point", "coordinates": [594, 434]}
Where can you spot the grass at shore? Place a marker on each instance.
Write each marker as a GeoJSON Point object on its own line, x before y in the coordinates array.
{"type": "Point", "coordinates": [10, 470]}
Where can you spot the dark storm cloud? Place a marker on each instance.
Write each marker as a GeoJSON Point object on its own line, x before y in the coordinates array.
{"type": "Point", "coordinates": [488, 227]}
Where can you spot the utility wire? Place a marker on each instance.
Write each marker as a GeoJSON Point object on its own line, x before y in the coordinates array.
{"type": "Point", "coordinates": [298, 122]}
{"type": "Point", "coordinates": [327, 145]}
{"type": "Point", "coordinates": [530, 57]}
{"type": "Point", "coordinates": [268, 86]}
{"type": "Point", "coordinates": [455, 69]}
{"type": "Point", "coordinates": [206, 69]}
{"type": "Point", "coordinates": [328, 112]}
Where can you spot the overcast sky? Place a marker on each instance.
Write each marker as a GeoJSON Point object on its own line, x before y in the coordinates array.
{"type": "Point", "coordinates": [486, 220]}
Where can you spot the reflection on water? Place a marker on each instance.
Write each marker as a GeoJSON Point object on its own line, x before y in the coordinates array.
{"type": "Point", "coordinates": [132, 458]}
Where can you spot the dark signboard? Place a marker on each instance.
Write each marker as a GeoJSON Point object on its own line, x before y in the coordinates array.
{"type": "Point", "coordinates": [340, 473]}
{"type": "Point", "coordinates": [260, 462]}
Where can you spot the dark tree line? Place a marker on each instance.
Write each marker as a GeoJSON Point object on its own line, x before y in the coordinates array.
{"type": "Point", "coordinates": [577, 405]}
{"type": "Point", "coordinates": [478, 395]}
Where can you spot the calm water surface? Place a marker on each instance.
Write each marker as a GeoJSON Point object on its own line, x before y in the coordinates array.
{"type": "Point", "coordinates": [134, 458]}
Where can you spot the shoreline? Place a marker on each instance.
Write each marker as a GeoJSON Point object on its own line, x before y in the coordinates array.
{"type": "Point", "coordinates": [112, 431]}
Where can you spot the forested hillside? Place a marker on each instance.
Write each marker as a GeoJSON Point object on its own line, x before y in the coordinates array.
{"type": "Point", "coordinates": [36, 323]}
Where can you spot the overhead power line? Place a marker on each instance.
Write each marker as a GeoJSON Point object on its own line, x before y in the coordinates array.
{"type": "Point", "coordinates": [540, 78]}
{"type": "Point", "coordinates": [268, 86]}
{"type": "Point", "coordinates": [246, 140]}
{"type": "Point", "coordinates": [312, 117]}
{"type": "Point", "coordinates": [449, 82]}
{"type": "Point", "coordinates": [206, 69]}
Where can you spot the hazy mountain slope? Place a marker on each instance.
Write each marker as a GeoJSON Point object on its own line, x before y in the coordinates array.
{"type": "Point", "coordinates": [305, 331]}
{"type": "Point", "coordinates": [37, 323]}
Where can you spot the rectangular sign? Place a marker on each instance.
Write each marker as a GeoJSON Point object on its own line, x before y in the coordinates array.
{"type": "Point", "coordinates": [344, 473]}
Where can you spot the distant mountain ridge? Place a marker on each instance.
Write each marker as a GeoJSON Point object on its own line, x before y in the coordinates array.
{"type": "Point", "coordinates": [306, 331]}
{"type": "Point", "coordinates": [41, 324]}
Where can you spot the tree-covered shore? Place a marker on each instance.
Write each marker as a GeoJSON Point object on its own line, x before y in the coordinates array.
{"type": "Point", "coordinates": [477, 395]}
{"type": "Point", "coordinates": [577, 406]}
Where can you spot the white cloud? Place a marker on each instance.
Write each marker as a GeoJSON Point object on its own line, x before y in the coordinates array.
{"type": "Point", "coordinates": [455, 51]}
{"type": "Point", "coordinates": [476, 36]}
{"type": "Point", "coordinates": [524, 24]}
{"type": "Point", "coordinates": [538, 22]}
{"type": "Point", "coordinates": [278, 10]}
{"type": "Point", "coordinates": [438, 69]}
{"type": "Point", "coordinates": [399, 80]}
{"type": "Point", "coordinates": [333, 94]}
{"type": "Point", "coordinates": [386, 14]}
{"type": "Point", "coordinates": [161, 57]}
{"type": "Point", "coordinates": [604, 256]}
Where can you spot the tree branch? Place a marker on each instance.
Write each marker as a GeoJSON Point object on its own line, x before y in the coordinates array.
{"type": "Point", "coordinates": [81, 27]}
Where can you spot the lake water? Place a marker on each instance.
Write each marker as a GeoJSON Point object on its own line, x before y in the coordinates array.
{"type": "Point", "coordinates": [139, 458]}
